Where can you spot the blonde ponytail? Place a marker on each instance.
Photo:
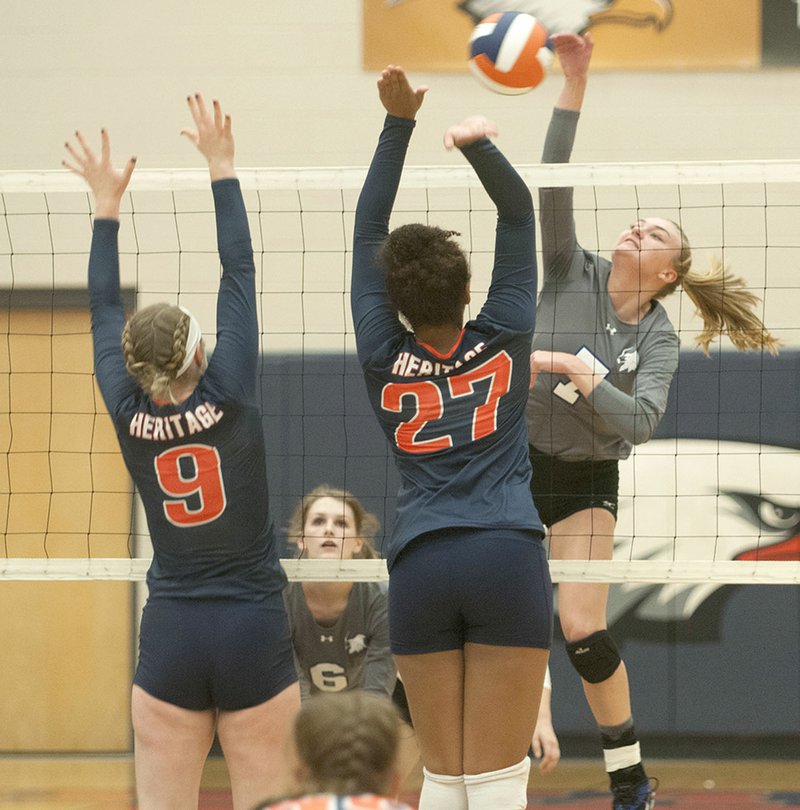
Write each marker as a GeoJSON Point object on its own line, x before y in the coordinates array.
{"type": "Point", "coordinates": [723, 302]}
{"type": "Point", "coordinates": [727, 307]}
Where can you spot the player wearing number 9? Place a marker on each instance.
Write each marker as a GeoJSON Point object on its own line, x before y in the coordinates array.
{"type": "Point", "coordinates": [470, 606]}
{"type": "Point", "coordinates": [215, 648]}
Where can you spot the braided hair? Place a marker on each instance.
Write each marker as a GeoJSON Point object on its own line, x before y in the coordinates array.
{"type": "Point", "coordinates": [347, 742]}
{"type": "Point", "coordinates": [154, 347]}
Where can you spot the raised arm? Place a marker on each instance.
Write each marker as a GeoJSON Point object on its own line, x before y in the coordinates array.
{"type": "Point", "coordinates": [512, 295]}
{"type": "Point", "coordinates": [373, 317]}
{"type": "Point", "coordinates": [107, 185]}
{"type": "Point", "coordinates": [560, 250]}
{"type": "Point", "coordinates": [234, 363]}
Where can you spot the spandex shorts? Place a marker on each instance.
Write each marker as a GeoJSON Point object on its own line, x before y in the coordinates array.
{"type": "Point", "coordinates": [401, 702]}
{"type": "Point", "coordinates": [215, 653]}
{"type": "Point", "coordinates": [484, 586]}
{"type": "Point", "coordinates": [563, 488]}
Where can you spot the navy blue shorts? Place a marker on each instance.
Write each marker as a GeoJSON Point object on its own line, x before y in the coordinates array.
{"type": "Point", "coordinates": [485, 586]}
{"type": "Point", "coordinates": [215, 653]}
{"type": "Point", "coordinates": [563, 488]}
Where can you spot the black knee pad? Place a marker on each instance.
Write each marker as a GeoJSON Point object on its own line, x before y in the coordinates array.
{"type": "Point", "coordinates": [595, 657]}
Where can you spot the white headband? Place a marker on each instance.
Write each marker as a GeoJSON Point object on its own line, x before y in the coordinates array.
{"type": "Point", "coordinates": [192, 339]}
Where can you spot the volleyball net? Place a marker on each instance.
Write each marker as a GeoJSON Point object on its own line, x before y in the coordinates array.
{"type": "Point", "coordinates": [714, 498]}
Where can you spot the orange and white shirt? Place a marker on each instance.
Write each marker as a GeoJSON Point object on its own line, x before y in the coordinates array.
{"type": "Point", "coordinates": [329, 801]}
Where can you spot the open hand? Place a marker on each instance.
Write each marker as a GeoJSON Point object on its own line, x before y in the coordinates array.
{"type": "Point", "coordinates": [213, 136]}
{"type": "Point", "coordinates": [574, 53]}
{"type": "Point", "coordinates": [397, 95]}
{"type": "Point", "coordinates": [107, 183]}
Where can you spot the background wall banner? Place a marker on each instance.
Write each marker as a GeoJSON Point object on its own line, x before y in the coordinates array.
{"type": "Point", "coordinates": [630, 34]}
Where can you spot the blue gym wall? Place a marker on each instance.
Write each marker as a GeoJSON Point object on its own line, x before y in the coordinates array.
{"type": "Point", "coordinates": [732, 670]}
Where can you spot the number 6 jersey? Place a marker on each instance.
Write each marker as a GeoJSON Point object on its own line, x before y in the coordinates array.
{"type": "Point", "coordinates": [455, 422]}
{"type": "Point", "coordinates": [200, 465]}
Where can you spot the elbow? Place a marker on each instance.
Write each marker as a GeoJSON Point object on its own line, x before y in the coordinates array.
{"type": "Point", "coordinates": [643, 430]}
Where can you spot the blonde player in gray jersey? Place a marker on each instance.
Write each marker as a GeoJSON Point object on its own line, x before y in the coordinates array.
{"type": "Point", "coordinates": [603, 360]}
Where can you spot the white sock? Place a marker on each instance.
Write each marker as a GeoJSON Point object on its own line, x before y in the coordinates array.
{"type": "Point", "coordinates": [506, 789]}
{"type": "Point", "coordinates": [624, 757]}
{"type": "Point", "coordinates": [442, 792]}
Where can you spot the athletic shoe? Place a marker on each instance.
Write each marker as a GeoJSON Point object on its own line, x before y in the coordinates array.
{"type": "Point", "coordinates": [635, 797]}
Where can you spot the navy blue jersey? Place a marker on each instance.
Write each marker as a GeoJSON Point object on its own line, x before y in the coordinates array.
{"type": "Point", "coordinates": [200, 466]}
{"type": "Point", "coordinates": [455, 423]}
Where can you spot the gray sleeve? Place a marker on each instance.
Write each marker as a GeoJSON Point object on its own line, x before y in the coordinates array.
{"type": "Point", "coordinates": [561, 252]}
{"type": "Point", "coordinates": [380, 673]}
{"type": "Point", "coordinates": [635, 416]}
{"type": "Point", "coordinates": [302, 679]}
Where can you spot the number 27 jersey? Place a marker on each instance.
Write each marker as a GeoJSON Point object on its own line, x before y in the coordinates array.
{"type": "Point", "coordinates": [457, 429]}
{"type": "Point", "coordinates": [455, 423]}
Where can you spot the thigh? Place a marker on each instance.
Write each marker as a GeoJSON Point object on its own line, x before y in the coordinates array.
{"type": "Point", "coordinates": [255, 744]}
{"type": "Point", "coordinates": [434, 686]}
{"type": "Point", "coordinates": [502, 691]}
{"type": "Point", "coordinates": [586, 535]}
{"type": "Point", "coordinates": [170, 749]}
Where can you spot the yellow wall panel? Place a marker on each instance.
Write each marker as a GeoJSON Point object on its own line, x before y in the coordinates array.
{"type": "Point", "coordinates": [67, 646]}
{"type": "Point", "coordinates": [67, 657]}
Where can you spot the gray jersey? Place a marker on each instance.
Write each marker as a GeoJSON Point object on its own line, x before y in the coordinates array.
{"type": "Point", "coordinates": [575, 315]}
{"type": "Point", "coordinates": [353, 653]}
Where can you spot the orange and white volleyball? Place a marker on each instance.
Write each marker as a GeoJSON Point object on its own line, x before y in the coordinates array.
{"type": "Point", "coordinates": [509, 53]}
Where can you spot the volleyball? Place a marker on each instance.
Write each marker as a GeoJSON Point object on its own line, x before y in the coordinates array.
{"type": "Point", "coordinates": [509, 53]}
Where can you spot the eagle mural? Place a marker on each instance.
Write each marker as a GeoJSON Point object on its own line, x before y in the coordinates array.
{"type": "Point", "coordinates": [690, 499]}
{"type": "Point", "coordinates": [575, 16]}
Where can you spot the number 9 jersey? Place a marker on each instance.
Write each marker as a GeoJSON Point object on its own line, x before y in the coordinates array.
{"type": "Point", "coordinates": [200, 465]}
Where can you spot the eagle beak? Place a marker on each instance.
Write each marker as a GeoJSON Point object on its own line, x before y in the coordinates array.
{"type": "Point", "coordinates": [642, 13]}
{"type": "Point", "coordinates": [785, 551]}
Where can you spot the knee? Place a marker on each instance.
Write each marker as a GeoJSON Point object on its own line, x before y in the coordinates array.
{"type": "Point", "coordinates": [579, 620]}
{"type": "Point", "coordinates": [595, 658]}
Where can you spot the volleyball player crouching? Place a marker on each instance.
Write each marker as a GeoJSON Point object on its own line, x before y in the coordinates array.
{"type": "Point", "coordinates": [214, 644]}
{"type": "Point", "coordinates": [603, 360]}
{"type": "Point", "coordinates": [469, 633]}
